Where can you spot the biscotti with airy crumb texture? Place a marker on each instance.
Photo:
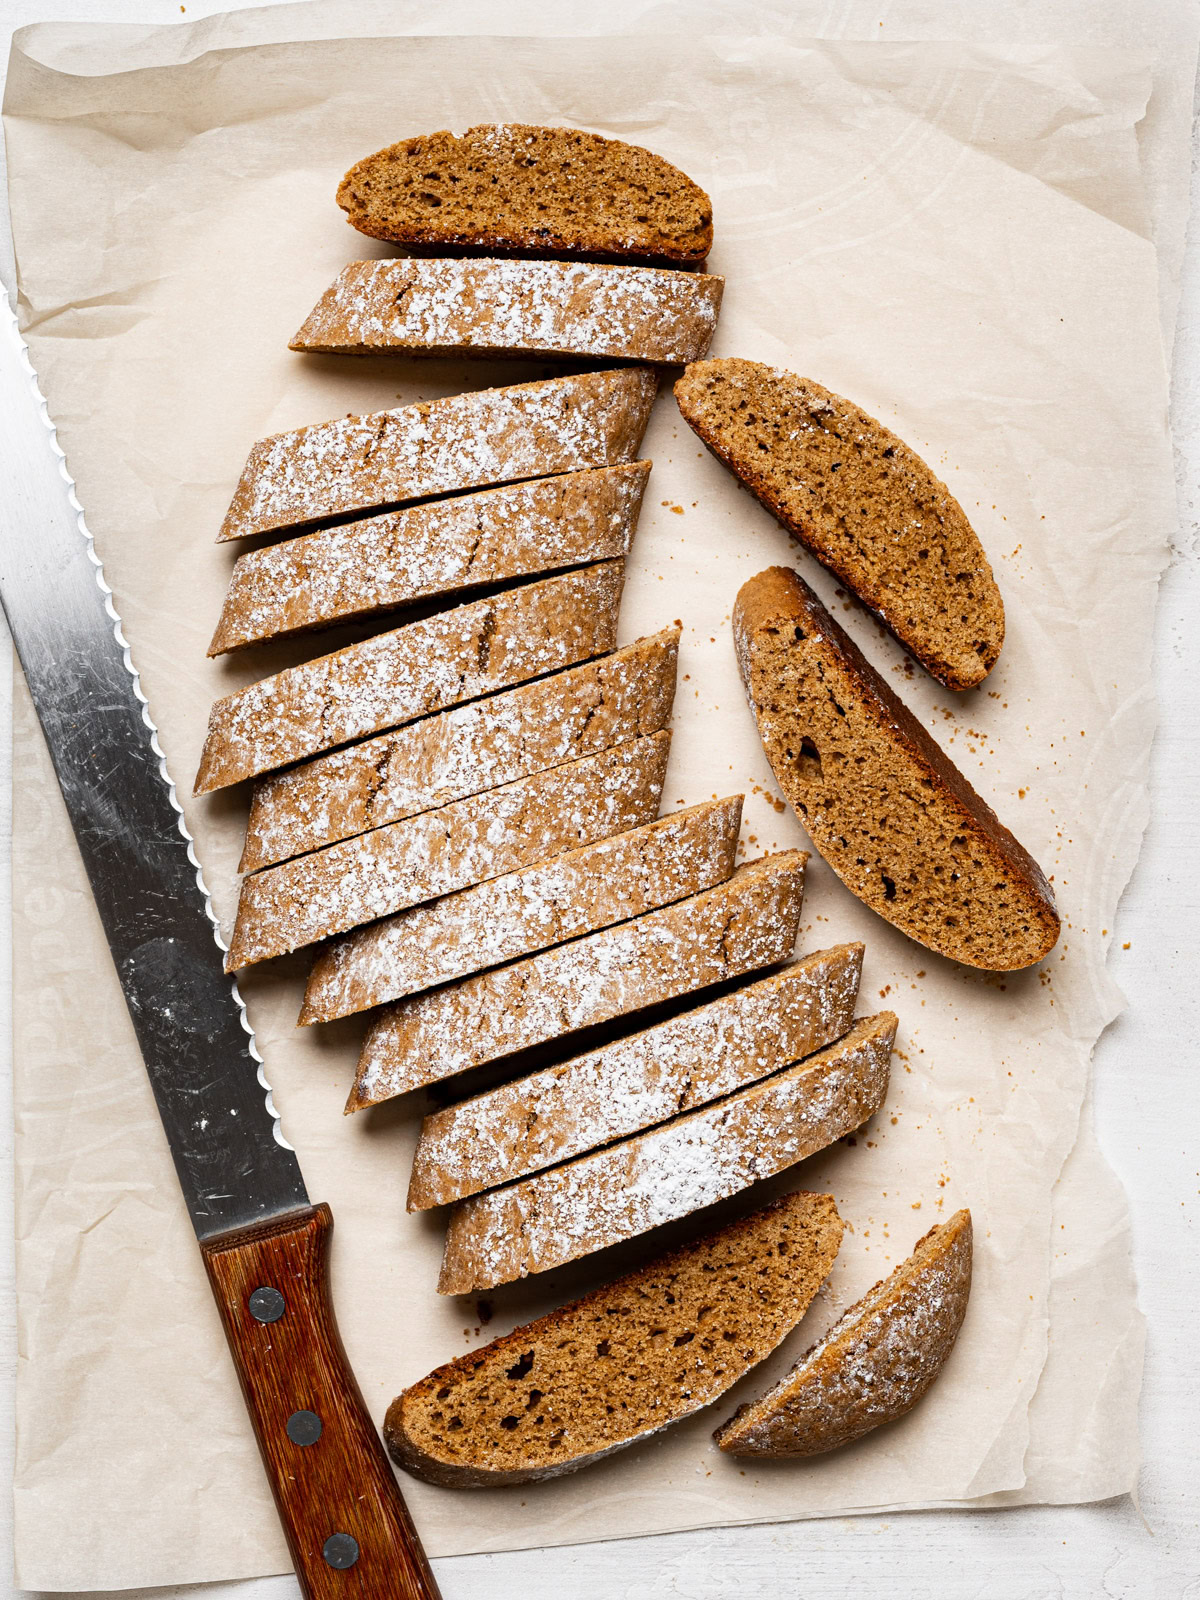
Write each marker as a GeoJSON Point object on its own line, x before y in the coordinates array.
{"type": "Point", "coordinates": [425, 666]}
{"type": "Point", "coordinates": [571, 894]}
{"type": "Point", "coordinates": [481, 745]}
{"type": "Point", "coordinates": [636, 1081]}
{"type": "Point", "coordinates": [467, 441]}
{"type": "Point", "coordinates": [892, 816]}
{"type": "Point", "coordinates": [862, 502]}
{"type": "Point", "coordinates": [874, 1364]}
{"type": "Point", "coordinates": [380, 563]}
{"type": "Point", "coordinates": [515, 308]}
{"type": "Point", "coordinates": [623, 1362]}
{"type": "Point", "coordinates": [743, 925]}
{"type": "Point", "coordinates": [437, 852]}
{"type": "Point", "coordinates": [679, 1167]}
{"type": "Point", "coordinates": [510, 187]}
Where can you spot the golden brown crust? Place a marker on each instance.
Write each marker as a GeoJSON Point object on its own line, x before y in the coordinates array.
{"type": "Point", "coordinates": [623, 1361]}
{"type": "Point", "coordinates": [888, 810]}
{"type": "Point", "coordinates": [862, 502]}
{"type": "Point", "coordinates": [874, 1364]}
{"type": "Point", "coordinates": [513, 187]}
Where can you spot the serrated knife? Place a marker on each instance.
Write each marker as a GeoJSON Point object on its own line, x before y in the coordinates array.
{"type": "Point", "coordinates": [265, 1246]}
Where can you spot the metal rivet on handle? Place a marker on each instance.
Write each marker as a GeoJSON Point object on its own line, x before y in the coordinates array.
{"type": "Point", "coordinates": [304, 1427]}
{"type": "Point", "coordinates": [267, 1305]}
{"type": "Point", "coordinates": [340, 1550]}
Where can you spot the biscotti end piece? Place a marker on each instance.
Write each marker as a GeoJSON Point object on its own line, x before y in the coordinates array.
{"type": "Point", "coordinates": [740, 926]}
{"type": "Point", "coordinates": [481, 745]}
{"type": "Point", "coordinates": [862, 502]}
{"type": "Point", "coordinates": [394, 678]}
{"type": "Point", "coordinates": [539, 906]}
{"type": "Point", "coordinates": [570, 309]}
{"type": "Point", "coordinates": [374, 564]}
{"type": "Point", "coordinates": [887, 809]}
{"type": "Point", "coordinates": [466, 441]}
{"type": "Point", "coordinates": [437, 852]}
{"type": "Point", "coordinates": [623, 1362]}
{"type": "Point", "coordinates": [874, 1364]}
{"type": "Point", "coordinates": [627, 1188]}
{"type": "Point", "coordinates": [530, 190]}
{"type": "Point", "coordinates": [636, 1081]}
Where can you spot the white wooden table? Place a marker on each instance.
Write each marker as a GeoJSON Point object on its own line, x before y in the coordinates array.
{"type": "Point", "coordinates": [1147, 1079]}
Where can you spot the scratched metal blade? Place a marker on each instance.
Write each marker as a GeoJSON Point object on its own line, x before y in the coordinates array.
{"type": "Point", "coordinates": [233, 1164]}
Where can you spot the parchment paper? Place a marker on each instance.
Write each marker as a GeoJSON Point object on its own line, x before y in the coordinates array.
{"type": "Point", "coordinates": [954, 240]}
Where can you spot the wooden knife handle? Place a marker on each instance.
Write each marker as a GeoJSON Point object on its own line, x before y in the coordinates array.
{"type": "Point", "coordinates": [347, 1526]}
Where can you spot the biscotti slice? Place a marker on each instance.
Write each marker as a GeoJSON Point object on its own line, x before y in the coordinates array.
{"type": "Point", "coordinates": [510, 186]}
{"type": "Point", "coordinates": [469, 541]}
{"type": "Point", "coordinates": [740, 926]}
{"type": "Point", "coordinates": [437, 852]}
{"type": "Point", "coordinates": [466, 441]}
{"type": "Point", "coordinates": [399, 676]}
{"type": "Point", "coordinates": [699, 1158]}
{"type": "Point", "coordinates": [477, 746]}
{"type": "Point", "coordinates": [896, 821]}
{"type": "Point", "coordinates": [623, 1362]}
{"type": "Point", "coordinates": [507, 308]}
{"type": "Point", "coordinates": [862, 502]}
{"type": "Point", "coordinates": [636, 1081]}
{"type": "Point", "coordinates": [569, 895]}
{"type": "Point", "coordinates": [874, 1364]}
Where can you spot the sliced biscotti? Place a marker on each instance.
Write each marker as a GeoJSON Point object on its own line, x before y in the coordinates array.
{"type": "Point", "coordinates": [436, 852]}
{"type": "Point", "coordinates": [862, 502]}
{"type": "Point", "coordinates": [636, 1081]}
{"type": "Point", "coordinates": [476, 746]}
{"type": "Point", "coordinates": [569, 895]}
{"type": "Point", "coordinates": [399, 676]}
{"type": "Point", "coordinates": [512, 186]}
{"type": "Point", "coordinates": [379, 563]}
{"type": "Point", "coordinates": [623, 1362]}
{"type": "Point", "coordinates": [549, 308]}
{"type": "Point", "coordinates": [740, 926]}
{"type": "Point", "coordinates": [693, 1161]}
{"type": "Point", "coordinates": [466, 441]}
{"type": "Point", "coordinates": [896, 821]}
{"type": "Point", "coordinates": [874, 1364]}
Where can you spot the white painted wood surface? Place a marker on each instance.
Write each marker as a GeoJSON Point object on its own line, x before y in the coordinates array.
{"type": "Point", "coordinates": [1147, 1074]}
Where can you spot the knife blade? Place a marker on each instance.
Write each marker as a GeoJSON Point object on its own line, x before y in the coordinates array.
{"type": "Point", "coordinates": [265, 1246]}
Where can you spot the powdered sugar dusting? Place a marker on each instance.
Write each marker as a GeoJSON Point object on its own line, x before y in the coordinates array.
{"type": "Point", "coordinates": [482, 836]}
{"type": "Point", "coordinates": [747, 923]}
{"type": "Point", "coordinates": [463, 442]}
{"type": "Point", "coordinates": [398, 676]}
{"type": "Point", "coordinates": [641, 1183]}
{"type": "Point", "coordinates": [508, 307]}
{"type": "Point", "coordinates": [571, 894]}
{"type": "Point", "coordinates": [639, 1080]}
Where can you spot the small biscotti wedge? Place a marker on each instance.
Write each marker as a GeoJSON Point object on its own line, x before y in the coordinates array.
{"type": "Point", "coordinates": [675, 1169]}
{"type": "Point", "coordinates": [636, 1081]}
{"type": "Point", "coordinates": [466, 441]}
{"type": "Point", "coordinates": [437, 852]}
{"type": "Point", "coordinates": [399, 676]}
{"type": "Point", "coordinates": [513, 187]}
{"type": "Point", "coordinates": [623, 1362]}
{"type": "Point", "coordinates": [862, 502]}
{"type": "Point", "coordinates": [506, 308]}
{"type": "Point", "coordinates": [571, 894]}
{"type": "Point", "coordinates": [893, 817]}
{"type": "Point", "coordinates": [481, 745]}
{"type": "Point", "coordinates": [471, 540]}
{"type": "Point", "coordinates": [742, 925]}
{"type": "Point", "coordinates": [874, 1364]}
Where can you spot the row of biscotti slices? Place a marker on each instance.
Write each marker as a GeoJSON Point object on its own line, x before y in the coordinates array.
{"type": "Point", "coordinates": [672, 1337]}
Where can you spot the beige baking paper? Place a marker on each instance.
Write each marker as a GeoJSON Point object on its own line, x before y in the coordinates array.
{"type": "Point", "coordinates": [955, 241]}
